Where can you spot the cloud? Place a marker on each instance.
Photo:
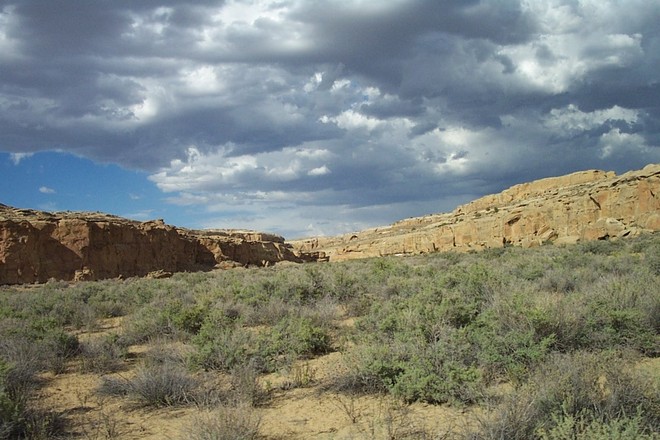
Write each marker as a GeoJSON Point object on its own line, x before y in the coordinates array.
{"type": "Point", "coordinates": [143, 215]}
{"type": "Point", "coordinates": [46, 190]}
{"type": "Point", "coordinates": [319, 171]}
{"type": "Point", "coordinates": [16, 158]}
{"type": "Point", "coordinates": [282, 113]}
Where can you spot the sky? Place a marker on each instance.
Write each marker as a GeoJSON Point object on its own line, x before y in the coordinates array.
{"type": "Point", "coordinates": [310, 117]}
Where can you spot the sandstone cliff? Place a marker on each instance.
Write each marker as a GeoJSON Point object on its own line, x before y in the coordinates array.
{"type": "Point", "coordinates": [586, 205]}
{"type": "Point", "coordinates": [37, 246]}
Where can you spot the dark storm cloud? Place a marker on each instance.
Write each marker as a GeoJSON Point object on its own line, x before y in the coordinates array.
{"type": "Point", "coordinates": [351, 107]}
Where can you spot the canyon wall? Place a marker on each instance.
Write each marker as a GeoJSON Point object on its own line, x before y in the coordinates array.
{"type": "Point", "coordinates": [36, 246]}
{"type": "Point", "coordinates": [587, 205]}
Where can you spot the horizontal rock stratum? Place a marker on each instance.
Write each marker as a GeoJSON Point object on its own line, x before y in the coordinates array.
{"type": "Point", "coordinates": [587, 205]}
{"type": "Point", "coordinates": [36, 246]}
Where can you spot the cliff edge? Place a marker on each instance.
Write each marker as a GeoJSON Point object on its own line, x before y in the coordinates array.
{"type": "Point", "coordinates": [36, 246]}
{"type": "Point", "coordinates": [587, 205]}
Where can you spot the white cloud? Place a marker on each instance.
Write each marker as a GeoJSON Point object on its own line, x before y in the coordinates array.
{"type": "Point", "coordinates": [16, 158]}
{"type": "Point", "coordinates": [570, 119]}
{"type": "Point", "coordinates": [202, 80]}
{"type": "Point", "coordinates": [617, 143]}
{"type": "Point", "coordinates": [319, 171]}
{"type": "Point", "coordinates": [352, 120]}
{"type": "Point", "coordinates": [556, 62]}
{"type": "Point", "coordinates": [143, 215]}
{"type": "Point", "coordinates": [46, 190]}
{"type": "Point", "coordinates": [9, 47]}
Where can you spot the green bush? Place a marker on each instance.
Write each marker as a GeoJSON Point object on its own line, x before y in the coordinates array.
{"type": "Point", "coordinates": [224, 348]}
{"type": "Point", "coordinates": [589, 391]}
{"type": "Point", "coordinates": [171, 318]}
{"type": "Point", "coordinates": [439, 372]}
{"type": "Point", "coordinates": [17, 419]}
{"type": "Point", "coordinates": [293, 338]}
{"type": "Point", "coordinates": [584, 427]}
{"type": "Point", "coordinates": [435, 372]}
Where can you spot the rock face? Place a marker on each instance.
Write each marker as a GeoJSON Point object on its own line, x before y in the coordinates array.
{"type": "Point", "coordinates": [37, 246]}
{"type": "Point", "coordinates": [590, 205]}
{"type": "Point", "coordinates": [587, 205]}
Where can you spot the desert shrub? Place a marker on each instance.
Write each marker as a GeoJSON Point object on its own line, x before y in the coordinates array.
{"type": "Point", "coordinates": [155, 385]}
{"type": "Point", "coordinates": [439, 372]}
{"type": "Point", "coordinates": [468, 291]}
{"type": "Point", "coordinates": [163, 385]}
{"type": "Point", "coordinates": [322, 313]}
{"type": "Point", "coordinates": [26, 360]}
{"type": "Point", "coordinates": [222, 343]}
{"type": "Point", "coordinates": [11, 407]}
{"type": "Point", "coordinates": [113, 386]}
{"type": "Point", "coordinates": [268, 312]}
{"type": "Point", "coordinates": [530, 270]}
{"type": "Point", "coordinates": [652, 258]}
{"type": "Point", "coordinates": [599, 247]}
{"type": "Point", "coordinates": [588, 390]}
{"type": "Point", "coordinates": [312, 287]}
{"type": "Point", "coordinates": [300, 375]}
{"type": "Point", "coordinates": [171, 318]}
{"type": "Point", "coordinates": [344, 283]}
{"type": "Point", "coordinates": [59, 347]}
{"type": "Point", "coordinates": [370, 368]}
{"type": "Point", "coordinates": [559, 280]}
{"type": "Point", "coordinates": [509, 353]}
{"type": "Point", "coordinates": [223, 348]}
{"type": "Point", "coordinates": [512, 336]}
{"type": "Point", "coordinates": [387, 267]}
{"type": "Point", "coordinates": [292, 338]}
{"type": "Point", "coordinates": [623, 311]}
{"type": "Point", "coordinates": [415, 343]}
{"type": "Point", "coordinates": [36, 346]}
{"type": "Point", "coordinates": [144, 324]}
{"type": "Point", "coordinates": [584, 427]}
{"type": "Point", "coordinates": [225, 423]}
{"type": "Point", "coordinates": [163, 351]}
{"type": "Point", "coordinates": [245, 388]}
{"type": "Point", "coordinates": [17, 419]}
{"type": "Point", "coordinates": [104, 355]}
{"type": "Point", "coordinates": [435, 371]}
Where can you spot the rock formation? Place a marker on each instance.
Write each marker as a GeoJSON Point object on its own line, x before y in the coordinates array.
{"type": "Point", "coordinates": [587, 205]}
{"type": "Point", "coordinates": [37, 246]}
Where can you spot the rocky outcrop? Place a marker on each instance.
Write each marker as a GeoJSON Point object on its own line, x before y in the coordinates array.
{"type": "Point", "coordinates": [587, 205]}
{"type": "Point", "coordinates": [36, 246]}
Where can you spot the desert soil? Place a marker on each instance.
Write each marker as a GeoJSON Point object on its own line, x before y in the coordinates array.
{"type": "Point", "coordinates": [298, 413]}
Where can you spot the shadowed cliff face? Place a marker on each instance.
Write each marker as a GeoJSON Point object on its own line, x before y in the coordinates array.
{"type": "Point", "coordinates": [588, 205]}
{"type": "Point", "coordinates": [37, 246]}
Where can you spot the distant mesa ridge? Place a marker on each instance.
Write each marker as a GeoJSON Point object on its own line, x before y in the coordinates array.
{"type": "Point", "coordinates": [586, 205]}
{"type": "Point", "coordinates": [36, 246]}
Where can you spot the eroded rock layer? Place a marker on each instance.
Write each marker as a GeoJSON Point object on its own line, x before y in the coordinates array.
{"type": "Point", "coordinates": [36, 246]}
{"type": "Point", "coordinates": [587, 205]}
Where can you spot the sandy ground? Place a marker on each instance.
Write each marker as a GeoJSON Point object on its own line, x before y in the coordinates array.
{"type": "Point", "coordinates": [297, 413]}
